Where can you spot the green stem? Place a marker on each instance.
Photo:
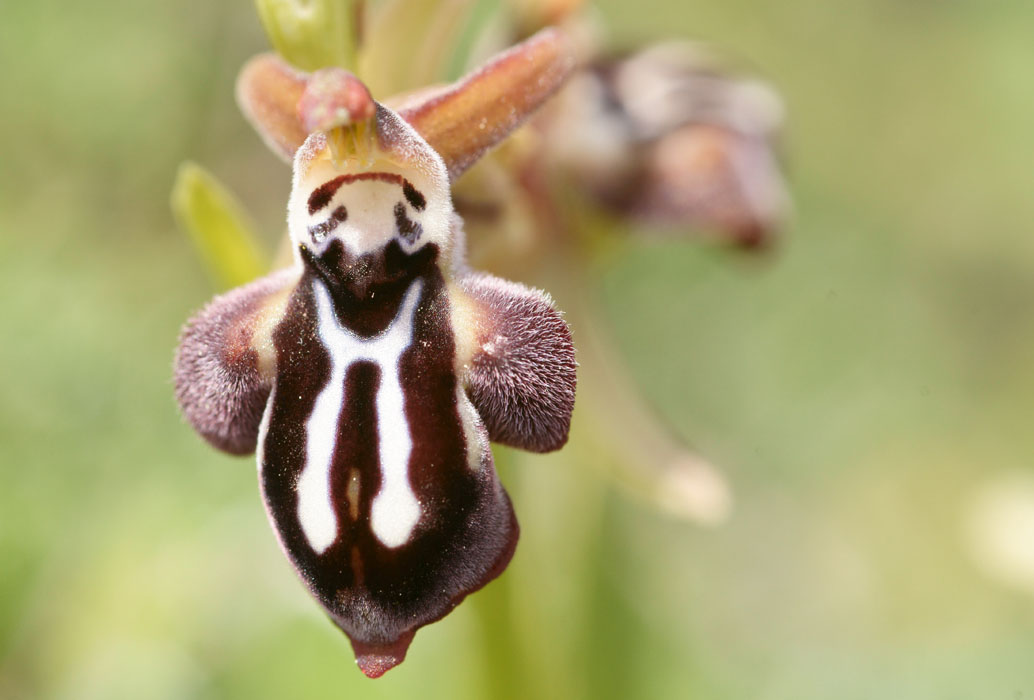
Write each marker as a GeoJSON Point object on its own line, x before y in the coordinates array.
{"type": "Point", "coordinates": [506, 667]}
{"type": "Point", "coordinates": [312, 34]}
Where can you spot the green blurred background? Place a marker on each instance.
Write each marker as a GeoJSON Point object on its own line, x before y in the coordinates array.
{"type": "Point", "coordinates": [867, 389]}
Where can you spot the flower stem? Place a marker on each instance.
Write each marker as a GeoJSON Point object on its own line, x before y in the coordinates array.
{"type": "Point", "coordinates": [312, 34]}
{"type": "Point", "coordinates": [506, 668]}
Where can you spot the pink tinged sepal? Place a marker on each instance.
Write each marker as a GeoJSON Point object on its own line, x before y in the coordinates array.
{"type": "Point", "coordinates": [461, 122]}
{"type": "Point", "coordinates": [268, 92]}
{"type": "Point", "coordinates": [465, 120]}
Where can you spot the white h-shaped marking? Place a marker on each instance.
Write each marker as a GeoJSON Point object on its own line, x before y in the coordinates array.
{"type": "Point", "coordinates": [395, 509]}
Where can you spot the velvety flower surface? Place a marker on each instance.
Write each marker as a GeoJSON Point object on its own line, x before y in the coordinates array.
{"type": "Point", "coordinates": [371, 375]}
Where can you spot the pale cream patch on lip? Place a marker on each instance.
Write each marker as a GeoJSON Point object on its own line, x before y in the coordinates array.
{"type": "Point", "coordinates": [268, 318]}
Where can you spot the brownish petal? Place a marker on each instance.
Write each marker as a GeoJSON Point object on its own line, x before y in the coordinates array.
{"type": "Point", "coordinates": [522, 370]}
{"type": "Point", "coordinates": [223, 365]}
{"type": "Point", "coordinates": [463, 121]}
{"type": "Point", "coordinates": [268, 92]}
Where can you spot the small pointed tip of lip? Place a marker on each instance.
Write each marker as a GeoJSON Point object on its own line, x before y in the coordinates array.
{"type": "Point", "coordinates": [374, 666]}
{"type": "Point", "coordinates": [374, 660]}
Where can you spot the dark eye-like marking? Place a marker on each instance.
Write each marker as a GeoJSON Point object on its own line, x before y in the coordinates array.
{"type": "Point", "coordinates": [413, 196]}
{"type": "Point", "coordinates": [321, 196]}
{"type": "Point", "coordinates": [320, 231]}
{"type": "Point", "coordinates": [409, 230]}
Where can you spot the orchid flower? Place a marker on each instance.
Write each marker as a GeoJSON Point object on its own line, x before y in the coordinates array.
{"type": "Point", "coordinates": [371, 374]}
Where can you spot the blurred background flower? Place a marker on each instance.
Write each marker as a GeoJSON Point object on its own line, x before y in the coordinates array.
{"type": "Point", "coordinates": [865, 388]}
